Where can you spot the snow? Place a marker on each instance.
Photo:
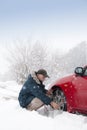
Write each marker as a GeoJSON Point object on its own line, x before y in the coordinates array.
{"type": "Point", "coordinates": [9, 89]}
{"type": "Point", "coordinates": [13, 117]}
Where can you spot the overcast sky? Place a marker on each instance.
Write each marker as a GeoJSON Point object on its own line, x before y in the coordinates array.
{"type": "Point", "coordinates": [60, 23]}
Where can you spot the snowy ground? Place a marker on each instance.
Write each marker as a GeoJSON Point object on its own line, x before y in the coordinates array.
{"type": "Point", "coordinates": [13, 117]}
{"type": "Point", "coordinates": [9, 90]}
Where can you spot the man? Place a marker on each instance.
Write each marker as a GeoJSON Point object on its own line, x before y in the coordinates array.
{"type": "Point", "coordinates": [33, 94]}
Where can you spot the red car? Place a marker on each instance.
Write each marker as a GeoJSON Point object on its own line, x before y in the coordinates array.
{"type": "Point", "coordinates": [71, 91]}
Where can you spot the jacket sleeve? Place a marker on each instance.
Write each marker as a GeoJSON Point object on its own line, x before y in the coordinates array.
{"type": "Point", "coordinates": [37, 92]}
{"type": "Point", "coordinates": [45, 90]}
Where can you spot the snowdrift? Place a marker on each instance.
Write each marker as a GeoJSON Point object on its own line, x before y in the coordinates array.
{"type": "Point", "coordinates": [13, 117]}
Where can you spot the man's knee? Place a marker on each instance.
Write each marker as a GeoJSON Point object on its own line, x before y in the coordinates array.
{"type": "Point", "coordinates": [35, 104]}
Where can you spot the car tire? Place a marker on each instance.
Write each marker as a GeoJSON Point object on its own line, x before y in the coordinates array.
{"type": "Point", "coordinates": [59, 98]}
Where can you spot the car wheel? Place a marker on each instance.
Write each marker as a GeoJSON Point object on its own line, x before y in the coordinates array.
{"type": "Point", "coordinates": [59, 97]}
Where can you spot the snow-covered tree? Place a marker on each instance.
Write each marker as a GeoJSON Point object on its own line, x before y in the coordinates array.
{"type": "Point", "coordinates": [76, 57]}
{"type": "Point", "coordinates": [38, 56]}
{"type": "Point", "coordinates": [19, 59]}
{"type": "Point", "coordinates": [26, 58]}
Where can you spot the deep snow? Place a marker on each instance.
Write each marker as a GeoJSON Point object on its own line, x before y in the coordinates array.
{"type": "Point", "coordinates": [13, 117]}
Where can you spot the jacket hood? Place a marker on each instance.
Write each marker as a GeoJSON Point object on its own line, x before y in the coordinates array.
{"type": "Point", "coordinates": [34, 76]}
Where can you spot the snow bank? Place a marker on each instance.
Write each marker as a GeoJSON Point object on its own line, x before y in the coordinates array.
{"type": "Point", "coordinates": [9, 90]}
{"type": "Point", "coordinates": [12, 117]}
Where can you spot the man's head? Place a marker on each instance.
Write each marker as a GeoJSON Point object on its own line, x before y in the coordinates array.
{"type": "Point", "coordinates": [42, 74]}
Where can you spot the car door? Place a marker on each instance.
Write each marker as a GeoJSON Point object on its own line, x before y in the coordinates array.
{"type": "Point", "coordinates": [80, 95]}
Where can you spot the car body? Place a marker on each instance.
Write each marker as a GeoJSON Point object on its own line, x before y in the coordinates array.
{"type": "Point", "coordinates": [74, 89]}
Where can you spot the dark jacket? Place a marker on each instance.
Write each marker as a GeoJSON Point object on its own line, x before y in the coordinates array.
{"type": "Point", "coordinates": [33, 88]}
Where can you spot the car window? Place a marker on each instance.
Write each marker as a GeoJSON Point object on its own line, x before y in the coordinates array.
{"type": "Point", "coordinates": [85, 72]}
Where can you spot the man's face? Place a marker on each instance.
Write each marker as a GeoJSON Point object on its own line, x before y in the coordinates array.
{"type": "Point", "coordinates": [41, 77]}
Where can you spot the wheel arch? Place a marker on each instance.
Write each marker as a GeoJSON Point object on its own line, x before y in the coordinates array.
{"type": "Point", "coordinates": [55, 87]}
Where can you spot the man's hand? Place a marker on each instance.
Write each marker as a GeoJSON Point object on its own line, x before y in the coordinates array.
{"type": "Point", "coordinates": [54, 105]}
{"type": "Point", "coordinates": [49, 92]}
